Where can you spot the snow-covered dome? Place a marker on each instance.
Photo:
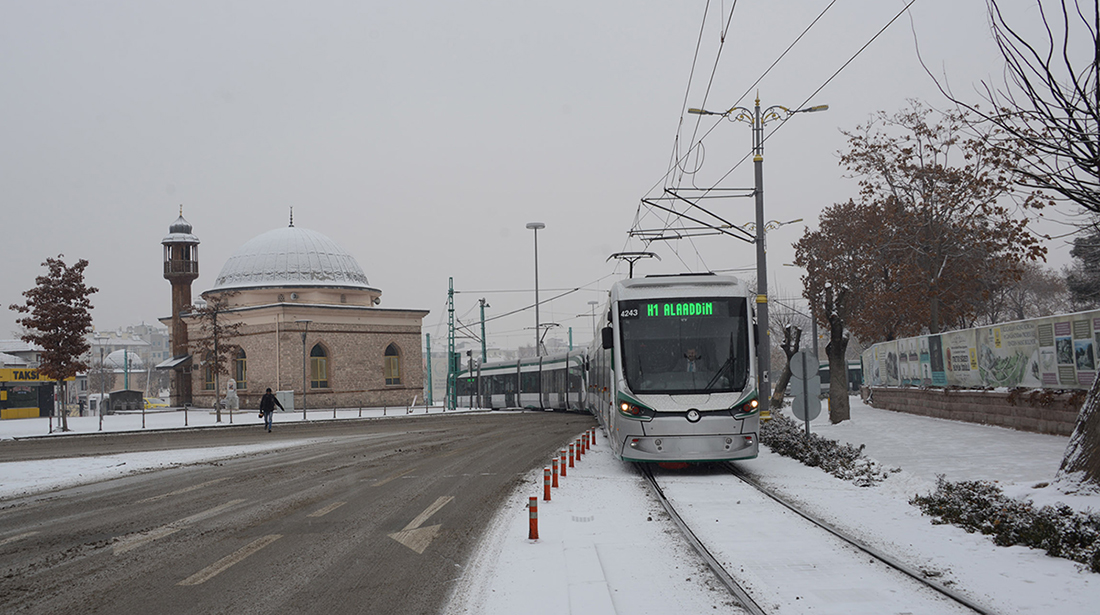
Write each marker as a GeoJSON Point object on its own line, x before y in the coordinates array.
{"type": "Point", "coordinates": [117, 360]}
{"type": "Point", "coordinates": [180, 232]}
{"type": "Point", "coordinates": [291, 257]}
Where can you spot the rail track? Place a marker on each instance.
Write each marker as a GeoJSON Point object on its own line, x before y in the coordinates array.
{"type": "Point", "coordinates": [741, 593]}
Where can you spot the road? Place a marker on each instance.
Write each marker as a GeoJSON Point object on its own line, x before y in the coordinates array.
{"type": "Point", "coordinates": [361, 516]}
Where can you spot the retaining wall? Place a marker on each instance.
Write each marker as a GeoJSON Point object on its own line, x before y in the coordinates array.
{"type": "Point", "coordinates": [1039, 411]}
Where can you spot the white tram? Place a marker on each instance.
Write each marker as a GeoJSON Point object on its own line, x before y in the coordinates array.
{"type": "Point", "coordinates": [672, 379]}
{"type": "Point", "coordinates": [554, 382]}
{"type": "Point", "coordinates": [674, 376]}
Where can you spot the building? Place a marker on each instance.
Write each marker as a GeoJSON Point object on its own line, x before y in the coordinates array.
{"type": "Point", "coordinates": [309, 322]}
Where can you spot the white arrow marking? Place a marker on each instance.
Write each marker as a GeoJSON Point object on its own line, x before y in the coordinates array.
{"type": "Point", "coordinates": [418, 538]}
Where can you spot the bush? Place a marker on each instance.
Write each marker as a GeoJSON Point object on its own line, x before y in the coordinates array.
{"type": "Point", "coordinates": [788, 438]}
{"type": "Point", "coordinates": [981, 506]}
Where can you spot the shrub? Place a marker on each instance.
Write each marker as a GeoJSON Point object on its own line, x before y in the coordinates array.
{"type": "Point", "coordinates": [786, 437]}
{"type": "Point", "coordinates": [981, 506]}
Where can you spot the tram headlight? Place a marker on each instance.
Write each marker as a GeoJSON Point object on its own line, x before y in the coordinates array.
{"type": "Point", "coordinates": [635, 411]}
{"type": "Point", "coordinates": [747, 408]}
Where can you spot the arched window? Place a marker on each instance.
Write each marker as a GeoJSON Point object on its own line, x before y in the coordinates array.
{"type": "Point", "coordinates": [318, 367]}
{"type": "Point", "coordinates": [240, 369]}
{"type": "Point", "coordinates": [208, 372]}
{"type": "Point", "coordinates": [391, 365]}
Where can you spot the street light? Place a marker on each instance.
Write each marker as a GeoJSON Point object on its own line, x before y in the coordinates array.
{"type": "Point", "coordinates": [757, 118]}
{"type": "Point", "coordinates": [593, 304]}
{"type": "Point", "coordinates": [305, 361]}
{"type": "Point", "coordinates": [535, 226]}
{"type": "Point", "coordinates": [102, 380]}
{"type": "Point", "coordinates": [484, 304]}
{"type": "Point", "coordinates": [813, 320]}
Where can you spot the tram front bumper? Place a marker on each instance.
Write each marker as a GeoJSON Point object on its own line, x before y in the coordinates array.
{"type": "Point", "coordinates": [690, 448]}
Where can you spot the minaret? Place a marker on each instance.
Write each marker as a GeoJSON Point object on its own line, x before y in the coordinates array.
{"type": "Point", "coordinates": [181, 267]}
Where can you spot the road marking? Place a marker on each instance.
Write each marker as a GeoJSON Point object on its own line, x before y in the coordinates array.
{"type": "Point", "coordinates": [393, 477]}
{"type": "Point", "coordinates": [418, 538]}
{"type": "Point", "coordinates": [228, 561]}
{"type": "Point", "coordinates": [133, 541]}
{"type": "Point", "coordinates": [180, 491]}
{"type": "Point", "coordinates": [12, 539]}
{"type": "Point", "coordinates": [326, 510]}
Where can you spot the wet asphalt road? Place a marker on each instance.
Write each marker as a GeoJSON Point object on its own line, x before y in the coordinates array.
{"type": "Point", "coordinates": [374, 516]}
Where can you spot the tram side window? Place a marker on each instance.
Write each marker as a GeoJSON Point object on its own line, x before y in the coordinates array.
{"type": "Point", "coordinates": [509, 383]}
{"type": "Point", "coordinates": [574, 379]}
{"type": "Point", "coordinates": [529, 382]}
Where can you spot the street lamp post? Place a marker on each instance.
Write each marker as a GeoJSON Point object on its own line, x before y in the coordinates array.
{"type": "Point", "coordinates": [305, 362]}
{"type": "Point", "coordinates": [484, 304]}
{"type": "Point", "coordinates": [757, 119]}
{"type": "Point", "coordinates": [535, 226]}
{"type": "Point", "coordinates": [593, 305]}
{"type": "Point", "coordinates": [102, 382]}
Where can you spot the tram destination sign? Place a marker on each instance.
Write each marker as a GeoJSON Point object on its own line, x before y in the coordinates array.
{"type": "Point", "coordinates": [671, 309]}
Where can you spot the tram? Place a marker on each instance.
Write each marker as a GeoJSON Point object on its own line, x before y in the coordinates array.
{"type": "Point", "coordinates": [554, 382]}
{"type": "Point", "coordinates": [673, 377]}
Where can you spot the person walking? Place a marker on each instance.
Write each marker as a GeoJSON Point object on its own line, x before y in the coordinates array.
{"type": "Point", "coordinates": [267, 407]}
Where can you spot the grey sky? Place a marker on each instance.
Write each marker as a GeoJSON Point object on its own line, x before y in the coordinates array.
{"type": "Point", "coordinates": [422, 136]}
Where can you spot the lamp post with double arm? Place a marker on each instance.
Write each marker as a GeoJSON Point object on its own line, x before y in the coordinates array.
{"type": "Point", "coordinates": [757, 118]}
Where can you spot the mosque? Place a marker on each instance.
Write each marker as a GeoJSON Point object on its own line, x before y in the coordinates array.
{"type": "Point", "coordinates": [309, 322]}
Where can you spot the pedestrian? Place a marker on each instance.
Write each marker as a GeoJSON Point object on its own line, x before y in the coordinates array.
{"type": "Point", "coordinates": [267, 407]}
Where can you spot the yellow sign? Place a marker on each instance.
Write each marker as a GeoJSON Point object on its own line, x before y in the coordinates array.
{"type": "Point", "coordinates": [24, 375]}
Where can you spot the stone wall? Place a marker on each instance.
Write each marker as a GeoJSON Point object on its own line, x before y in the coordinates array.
{"type": "Point", "coordinates": [1028, 410]}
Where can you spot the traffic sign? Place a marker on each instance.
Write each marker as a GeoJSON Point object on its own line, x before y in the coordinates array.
{"type": "Point", "coordinates": [803, 364]}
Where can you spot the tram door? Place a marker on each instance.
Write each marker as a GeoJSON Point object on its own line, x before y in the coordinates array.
{"type": "Point", "coordinates": [511, 382]}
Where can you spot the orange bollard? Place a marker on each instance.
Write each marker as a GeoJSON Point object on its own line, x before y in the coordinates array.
{"type": "Point", "coordinates": [546, 484]}
{"type": "Point", "coordinates": [580, 449]}
{"type": "Point", "coordinates": [533, 532]}
{"type": "Point", "coordinates": [593, 436]}
{"type": "Point", "coordinates": [563, 462]}
{"type": "Point", "coordinates": [555, 464]}
{"type": "Point", "coordinates": [571, 455]}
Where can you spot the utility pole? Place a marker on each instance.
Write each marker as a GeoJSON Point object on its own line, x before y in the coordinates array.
{"type": "Point", "coordinates": [452, 367]}
{"type": "Point", "coordinates": [484, 304]}
{"type": "Point", "coordinates": [428, 343]}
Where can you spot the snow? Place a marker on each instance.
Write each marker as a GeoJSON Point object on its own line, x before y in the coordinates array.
{"type": "Point", "coordinates": [605, 546]}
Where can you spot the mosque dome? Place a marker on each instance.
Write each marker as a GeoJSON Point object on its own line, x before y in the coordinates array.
{"type": "Point", "coordinates": [291, 257]}
{"type": "Point", "coordinates": [117, 361]}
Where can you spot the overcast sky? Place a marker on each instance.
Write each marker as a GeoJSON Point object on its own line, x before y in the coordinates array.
{"type": "Point", "coordinates": [423, 136]}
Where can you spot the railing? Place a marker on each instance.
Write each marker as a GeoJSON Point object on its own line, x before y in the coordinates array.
{"type": "Point", "coordinates": [181, 267]}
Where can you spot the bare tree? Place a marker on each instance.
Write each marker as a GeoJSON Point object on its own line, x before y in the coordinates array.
{"type": "Point", "coordinates": [214, 346]}
{"type": "Point", "coordinates": [1048, 111]}
{"type": "Point", "coordinates": [59, 321]}
{"type": "Point", "coordinates": [1048, 107]}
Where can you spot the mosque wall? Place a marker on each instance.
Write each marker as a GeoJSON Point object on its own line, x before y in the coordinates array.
{"type": "Point", "coordinates": [354, 356]}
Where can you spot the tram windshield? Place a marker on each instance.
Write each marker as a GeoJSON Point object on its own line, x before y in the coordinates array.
{"type": "Point", "coordinates": [678, 346]}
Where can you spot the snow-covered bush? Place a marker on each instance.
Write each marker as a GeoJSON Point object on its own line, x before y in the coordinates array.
{"type": "Point", "coordinates": [981, 506]}
{"type": "Point", "coordinates": [788, 438]}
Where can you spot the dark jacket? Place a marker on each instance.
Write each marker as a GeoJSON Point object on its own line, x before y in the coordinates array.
{"type": "Point", "coordinates": [268, 403]}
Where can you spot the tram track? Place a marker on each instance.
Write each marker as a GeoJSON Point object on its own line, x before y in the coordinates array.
{"type": "Point", "coordinates": [740, 593]}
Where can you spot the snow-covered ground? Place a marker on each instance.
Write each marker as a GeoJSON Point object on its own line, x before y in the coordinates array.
{"type": "Point", "coordinates": [604, 547]}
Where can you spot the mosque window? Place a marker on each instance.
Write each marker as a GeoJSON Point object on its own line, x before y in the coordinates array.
{"type": "Point", "coordinates": [318, 367]}
{"type": "Point", "coordinates": [391, 365]}
{"type": "Point", "coordinates": [240, 369]}
{"type": "Point", "coordinates": [208, 372]}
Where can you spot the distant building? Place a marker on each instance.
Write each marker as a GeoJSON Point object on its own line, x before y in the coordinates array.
{"type": "Point", "coordinates": [307, 317]}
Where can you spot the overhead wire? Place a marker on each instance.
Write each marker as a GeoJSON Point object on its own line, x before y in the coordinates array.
{"type": "Point", "coordinates": [808, 98]}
